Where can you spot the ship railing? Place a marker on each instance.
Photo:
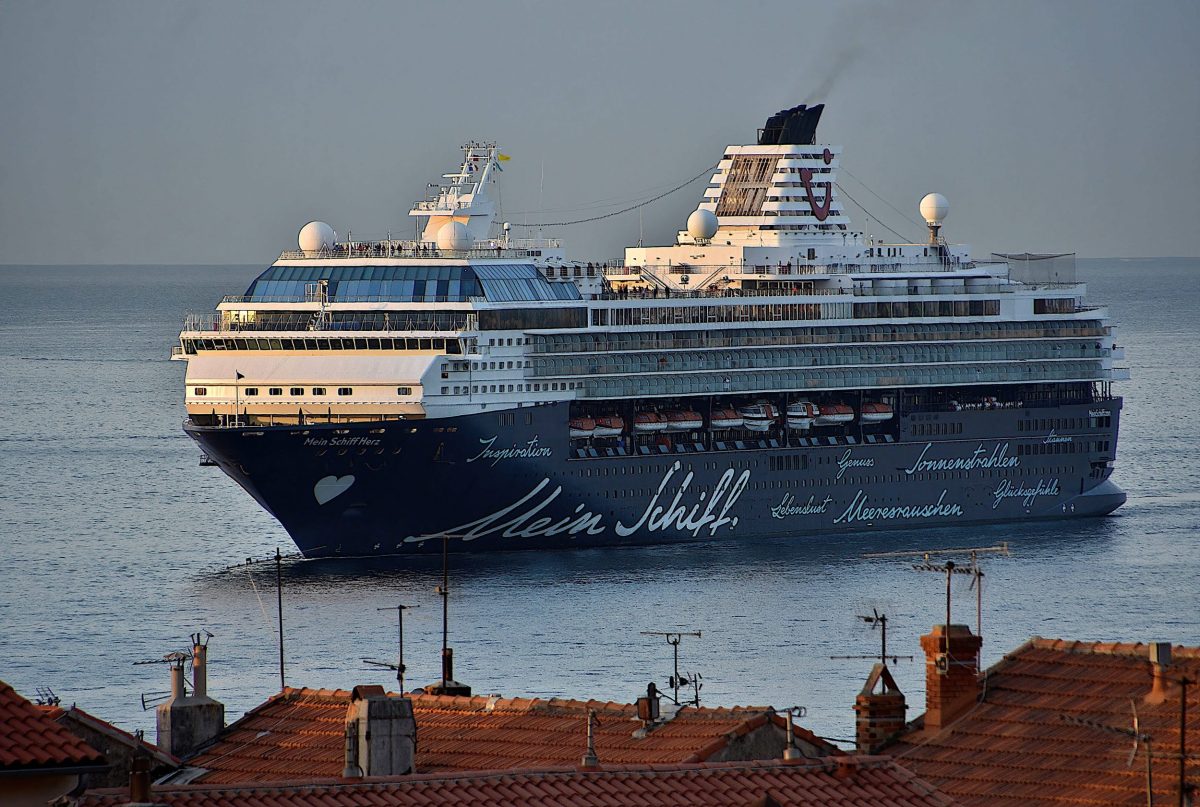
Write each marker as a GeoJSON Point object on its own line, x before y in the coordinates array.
{"type": "Point", "coordinates": [307, 322]}
{"type": "Point", "coordinates": [227, 420]}
{"type": "Point", "coordinates": [238, 299]}
{"type": "Point", "coordinates": [395, 248]}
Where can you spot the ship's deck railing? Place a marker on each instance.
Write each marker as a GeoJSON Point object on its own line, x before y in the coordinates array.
{"type": "Point", "coordinates": [673, 293]}
{"type": "Point", "coordinates": [395, 248]}
{"type": "Point", "coordinates": [308, 321]}
{"type": "Point", "coordinates": [239, 299]}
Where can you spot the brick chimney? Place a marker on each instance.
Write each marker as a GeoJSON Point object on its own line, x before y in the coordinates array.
{"type": "Point", "coordinates": [187, 722]}
{"type": "Point", "coordinates": [381, 734]}
{"type": "Point", "coordinates": [951, 673]}
{"type": "Point", "coordinates": [879, 715]}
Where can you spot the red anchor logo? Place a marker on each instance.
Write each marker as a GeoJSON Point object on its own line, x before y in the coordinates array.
{"type": "Point", "coordinates": [820, 210]}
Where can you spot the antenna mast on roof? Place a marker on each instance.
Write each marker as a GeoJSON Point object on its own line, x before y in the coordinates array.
{"type": "Point", "coordinates": [176, 660]}
{"type": "Point", "coordinates": [949, 568]}
{"type": "Point", "coordinates": [447, 686]}
{"type": "Point", "coordinates": [676, 681]}
{"type": "Point", "coordinates": [1138, 736]}
{"type": "Point", "coordinates": [399, 665]}
{"type": "Point", "coordinates": [878, 620]}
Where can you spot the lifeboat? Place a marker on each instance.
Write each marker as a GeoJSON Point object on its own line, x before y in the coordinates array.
{"type": "Point", "coordinates": [683, 420]}
{"type": "Point", "coordinates": [875, 412]}
{"type": "Point", "coordinates": [726, 419]}
{"type": "Point", "coordinates": [648, 422]}
{"type": "Point", "coordinates": [758, 417]}
{"type": "Point", "coordinates": [582, 427]}
{"type": "Point", "coordinates": [800, 415]}
{"type": "Point", "coordinates": [609, 426]}
{"type": "Point", "coordinates": [834, 415]}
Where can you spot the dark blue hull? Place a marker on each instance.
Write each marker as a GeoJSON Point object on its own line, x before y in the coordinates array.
{"type": "Point", "coordinates": [513, 480]}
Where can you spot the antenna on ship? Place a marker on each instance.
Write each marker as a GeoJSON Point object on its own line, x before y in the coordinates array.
{"type": "Point", "coordinates": [677, 681]}
{"type": "Point", "coordinates": [399, 665]}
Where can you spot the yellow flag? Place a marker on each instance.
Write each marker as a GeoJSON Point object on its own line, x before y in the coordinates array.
{"type": "Point", "coordinates": [502, 157]}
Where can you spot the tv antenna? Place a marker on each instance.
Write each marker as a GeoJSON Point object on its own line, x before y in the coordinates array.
{"type": "Point", "coordinates": [176, 660]}
{"type": "Point", "coordinates": [46, 697]}
{"type": "Point", "coordinates": [1135, 732]}
{"type": "Point", "coordinates": [399, 665]}
{"type": "Point", "coordinates": [878, 620]}
{"type": "Point", "coordinates": [949, 568]}
{"type": "Point", "coordinates": [677, 681]}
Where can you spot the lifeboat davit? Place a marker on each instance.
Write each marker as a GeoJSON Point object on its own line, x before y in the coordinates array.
{"type": "Point", "coordinates": [683, 420]}
{"type": "Point", "coordinates": [800, 415]}
{"type": "Point", "coordinates": [875, 412]}
{"type": "Point", "coordinates": [834, 415]}
{"type": "Point", "coordinates": [648, 422]}
{"type": "Point", "coordinates": [609, 426]}
{"type": "Point", "coordinates": [582, 427]}
{"type": "Point", "coordinates": [726, 419]}
{"type": "Point", "coordinates": [758, 417]}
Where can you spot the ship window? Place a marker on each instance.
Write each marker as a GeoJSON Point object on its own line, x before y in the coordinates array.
{"type": "Point", "coordinates": [318, 391]}
{"type": "Point", "coordinates": [201, 390]}
{"type": "Point", "coordinates": [275, 390]}
{"type": "Point", "coordinates": [404, 390]}
{"type": "Point", "coordinates": [296, 391]}
{"type": "Point", "coordinates": [250, 391]}
{"type": "Point", "coordinates": [345, 390]}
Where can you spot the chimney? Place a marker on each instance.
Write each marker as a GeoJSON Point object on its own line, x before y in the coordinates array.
{"type": "Point", "coordinates": [139, 780]}
{"type": "Point", "coordinates": [381, 734]}
{"type": "Point", "coordinates": [590, 761]}
{"type": "Point", "coordinates": [879, 715]}
{"type": "Point", "coordinates": [188, 722]}
{"type": "Point", "coordinates": [951, 673]}
{"type": "Point", "coordinates": [648, 708]}
{"type": "Point", "coordinates": [1160, 660]}
{"type": "Point", "coordinates": [845, 767]}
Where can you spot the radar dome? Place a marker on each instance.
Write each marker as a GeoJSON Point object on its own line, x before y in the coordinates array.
{"type": "Point", "coordinates": [316, 236]}
{"type": "Point", "coordinates": [702, 224]}
{"type": "Point", "coordinates": [454, 237]}
{"type": "Point", "coordinates": [934, 208]}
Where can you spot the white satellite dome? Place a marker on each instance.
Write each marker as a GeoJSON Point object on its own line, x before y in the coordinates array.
{"type": "Point", "coordinates": [316, 236]}
{"type": "Point", "coordinates": [934, 208]}
{"type": "Point", "coordinates": [702, 224]}
{"type": "Point", "coordinates": [454, 237]}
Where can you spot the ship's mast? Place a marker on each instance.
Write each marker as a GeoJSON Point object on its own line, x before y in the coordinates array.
{"type": "Point", "coordinates": [464, 198]}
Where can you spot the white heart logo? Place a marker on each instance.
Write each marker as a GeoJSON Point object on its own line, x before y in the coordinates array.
{"type": "Point", "coordinates": [330, 487]}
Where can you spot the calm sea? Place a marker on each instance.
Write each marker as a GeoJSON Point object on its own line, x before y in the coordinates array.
{"type": "Point", "coordinates": [115, 544]}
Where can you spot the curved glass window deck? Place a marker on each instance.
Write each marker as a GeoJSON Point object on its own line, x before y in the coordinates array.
{"type": "Point", "coordinates": [496, 282]}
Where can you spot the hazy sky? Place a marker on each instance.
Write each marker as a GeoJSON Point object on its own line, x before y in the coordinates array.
{"type": "Point", "coordinates": [209, 132]}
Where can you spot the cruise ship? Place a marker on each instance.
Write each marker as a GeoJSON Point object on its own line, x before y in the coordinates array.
{"type": "Point", "coordinates": [773, 373]}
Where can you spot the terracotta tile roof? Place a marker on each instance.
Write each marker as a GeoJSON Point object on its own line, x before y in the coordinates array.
{"type": "Point", "coordinates": [1015, 747]}
{"type": "Point", "coordinates": [873, 781]}
{"type": "Point", "coordinates": [30, 739]}
{"type": "Point", "coordinates": [300, 734]}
